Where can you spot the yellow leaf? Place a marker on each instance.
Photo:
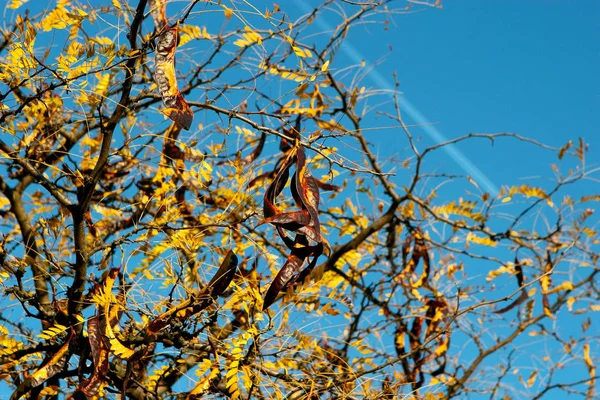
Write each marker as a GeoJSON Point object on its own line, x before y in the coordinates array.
{"type": "Point", "coordinates": [241, 43]}
{"type": "Point", "coordinates": [102, 85]}
{"type": "Point", "coordinates": [14, 4]}
{"type": "Point", "coordinates": [531, 379]}
{"type": "Point", "coordinates": [53, 331]}
{"type": "Point", "coordinates": [562, 286]}
{"type": "Point", "coordinates": [52, 367]}
{"type": "Point", "coordinates": [548, 312]}
{"type": "Point", "coordinates": [570, 302]}
{"type": "Point", "coordinates": [148, 274]}
{"type": "Point", "coordinates": [594, 197]}
{"type": "Point", "coordinates": [204, 383]}
{"type": "Point", "coordinates": [325, 66]}
{"type": "Point", "coordinates": [116, 4]}
{"type": "Point", "coordinates": [115, 345]}
{"type": "Point", "coordinates": [230, 373]}
{"type": "Point", "coordinates": [463, 208]}
{"type": "Point", "coordinates": [471, 237]}
{"type": "Point", "coordinates": [56, 19]}
{"type": "Point", "coordinates": [299, 52]}
{"type": "Point", "coordinates": [4, 202]}
{"type": "Point", "coordinates": [442, 348]}
{"type": "Point", "coordinates": [103, 40]}
{"type": "Point", "coordinates": [48, 391]}
{"type": "Point", "coordinates": [228, 12]}
{"type": "Point", "coordinates": [588, 360]}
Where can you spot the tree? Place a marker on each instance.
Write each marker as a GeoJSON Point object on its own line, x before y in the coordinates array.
{"type": "Point", "coordinates": [186, 230]}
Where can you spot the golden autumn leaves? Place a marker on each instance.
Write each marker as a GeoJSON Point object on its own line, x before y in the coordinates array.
{"type": "Point", "coordinates": [299, 229]}
{"type": "Point", "coordinates": [54, 365]}
{"type": "Point", "coordinates": [101, 328]}
{"type": "Point", "coordinates": [307, 242]}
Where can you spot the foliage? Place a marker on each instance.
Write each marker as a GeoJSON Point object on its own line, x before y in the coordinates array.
{"type": "Point", "coordinates": [151, 248]}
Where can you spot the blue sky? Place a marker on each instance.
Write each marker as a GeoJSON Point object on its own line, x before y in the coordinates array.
{"type": "Point", "coordinates": [490, 66]}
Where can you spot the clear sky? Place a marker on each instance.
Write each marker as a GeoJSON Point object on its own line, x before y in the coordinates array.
{"type": "Point", "coordinates": [529, 67]}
